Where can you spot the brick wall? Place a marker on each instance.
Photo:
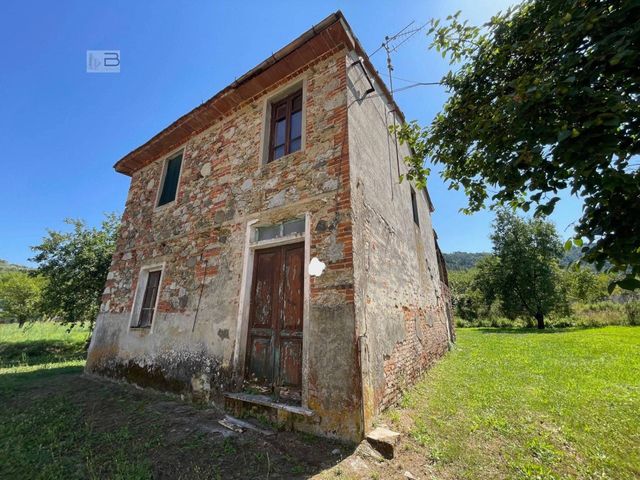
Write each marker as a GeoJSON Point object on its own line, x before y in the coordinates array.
{"type": "Point", "coordinates": [224, 184]}
{"type": "Point", "coordinates": [411, 357]}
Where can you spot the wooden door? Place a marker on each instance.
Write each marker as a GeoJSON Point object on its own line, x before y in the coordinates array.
{"type": "Point", "coordinates": [274, 343]}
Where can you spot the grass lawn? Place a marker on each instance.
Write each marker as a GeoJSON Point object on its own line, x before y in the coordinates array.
{"type": "Point", "coordinates": [38, 348]}
{"type": "Point", "coordinates": [503, 404]}
{"type": "Point", "coordinates": [58, 424]}
{"type": "Point", "coordinates": [530, 405]}
{"type": "Point", "coordinates": [40, 344]}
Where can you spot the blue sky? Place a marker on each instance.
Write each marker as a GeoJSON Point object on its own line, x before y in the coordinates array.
{"type": "Point", "coordinates": [63, 128]}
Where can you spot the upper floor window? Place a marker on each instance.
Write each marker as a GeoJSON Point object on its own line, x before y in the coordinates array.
{"type": "Point", "coordinates": [414, 207]}
{"type": "Point", "coordinates": [169, 186]}
{"type": "Point", "coordinates": [286, 126]}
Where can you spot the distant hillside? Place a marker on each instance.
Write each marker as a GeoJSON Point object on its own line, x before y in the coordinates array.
{"type": "Point", "coordinates": [8, 267]}
{"type": "Point", "coordinates": [571, 256]}
{"type": "Point", "coordinates": [463, 260]}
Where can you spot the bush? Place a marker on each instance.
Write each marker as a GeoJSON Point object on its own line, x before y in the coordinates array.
{"type": "Point", "coordinates": [462, 323]}
{"type": "Point", "coordinates": [583, 315]}
{"type": "Point", "coordinates": [20, 296]}
{"type": "Point", "coordinates": [632, 309]}
{"type": "Point", "coordinates": [485, 322]}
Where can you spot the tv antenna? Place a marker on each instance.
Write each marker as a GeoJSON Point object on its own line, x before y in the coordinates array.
{"type": "Point", "coordinates": [393, 42]}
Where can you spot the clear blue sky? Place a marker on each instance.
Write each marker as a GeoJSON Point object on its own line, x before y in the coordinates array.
{"type": "Point", "coordinates": [63, 129]}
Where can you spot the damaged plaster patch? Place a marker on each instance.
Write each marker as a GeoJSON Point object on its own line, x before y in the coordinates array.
{"type": "Point", "coordinates": [316, 267]}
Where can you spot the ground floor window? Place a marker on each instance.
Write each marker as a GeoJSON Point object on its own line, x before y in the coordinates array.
{"type": "Point", "coordinates": [144, 316]}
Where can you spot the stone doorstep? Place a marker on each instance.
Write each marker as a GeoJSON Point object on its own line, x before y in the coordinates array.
{"type": "Point", "coordinates": [383, 440]}
{"type": "Point", "coordinates": [269, 402]}
{"type": "Point", "coordinates": [239, 426]}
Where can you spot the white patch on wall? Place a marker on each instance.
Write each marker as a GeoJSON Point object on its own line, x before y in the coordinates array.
{"type": "Point", "coordinates": [316, 267]}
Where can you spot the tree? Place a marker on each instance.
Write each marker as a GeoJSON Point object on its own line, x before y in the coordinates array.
{"type": "Point", "coordinates": [585, 285]}
{"type": "Point", "coordinates": [20, 295]}
{"type": "Point", "coordinates": [473, 290]}
{"type": "Point", "coordinates": [545, 98]}
{"type": "Point", "coordinates": [524, 273]}
{"type": "Point", "coordinates": [76, 265]}
{"type": "Point", "coordinates": [466, 300]}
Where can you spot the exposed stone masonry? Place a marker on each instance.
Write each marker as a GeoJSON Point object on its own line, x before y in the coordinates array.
{"type": "Point", "coordinates": [374, 320]}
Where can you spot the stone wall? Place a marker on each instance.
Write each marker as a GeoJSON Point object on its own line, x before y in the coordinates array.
{"type": "Point", "coordinates": [400, 308]}
{"type": "Point", "coordinates": [200, 238]}
{"type": "Point", "coordinates": [375, 318]}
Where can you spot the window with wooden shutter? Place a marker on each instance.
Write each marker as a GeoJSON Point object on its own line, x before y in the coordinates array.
{"type": "Point", "coordinates": [170, 182]}
{"type": "Point", "coordinates": [286, 126]}
{"type": "Point", "coordinates": [414, 207]}
{"type": "Point", "coordinates": [149, 300]}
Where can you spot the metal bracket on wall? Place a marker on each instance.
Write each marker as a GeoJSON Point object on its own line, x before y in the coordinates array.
{"type": "Point", "coordinates": [371, 88]}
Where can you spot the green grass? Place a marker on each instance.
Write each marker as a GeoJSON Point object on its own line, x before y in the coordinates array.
{"type": "Point", "coordinates": [40, 343]}
{"type": "Point", "coordinates": [530, 405]}
{"type": "Point", "coordinates": [517, 404]}
{"type": "Point", "coordinates": [58, 424]}
{"type": "Point", "coordinates": [39, 350]}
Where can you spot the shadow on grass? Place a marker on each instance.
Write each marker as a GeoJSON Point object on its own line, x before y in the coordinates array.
{"type": "Point", "coordinates": [93, 429]}
{"type": "Point", "coordinates": [10, 381]}
{"type": "Point", "coordinates": [34, 352]}
{"type": "Point", "coordinates": [548, 330]}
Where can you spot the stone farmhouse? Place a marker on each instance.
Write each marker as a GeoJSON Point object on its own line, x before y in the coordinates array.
{"type": "Point", "coordinates": [270, 259]}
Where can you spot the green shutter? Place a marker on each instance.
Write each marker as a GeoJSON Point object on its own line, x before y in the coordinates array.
{"type": "Point", "coordinates": [170, 185]}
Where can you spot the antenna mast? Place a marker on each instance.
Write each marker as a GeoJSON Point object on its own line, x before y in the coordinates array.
{"type": "Point", "coordinates": [389, 46]}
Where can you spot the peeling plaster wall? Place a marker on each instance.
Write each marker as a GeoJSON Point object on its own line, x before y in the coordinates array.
{"type": "Point", "coordinates": [200, 238]}
{"type": "Point", "coordinates": [400, 309]}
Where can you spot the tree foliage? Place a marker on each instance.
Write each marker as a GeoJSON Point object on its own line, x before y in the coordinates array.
{"type": "Point", "coordinates": [20, 295]}
{"type": "Point", "coordinates": [526, 272]}
{"type": "Point", "coordinates": [468, 301]}
{"type": "Point", "coordinates": [585, 285]}
{"type": "Point", "coordinates": [473, 291]}
{"type": "Point", "coordinates": [545, 98]}
{"type": "Point", "coordinates": [76, 265]}
{"type": "Point", "coordinates": [523, 273]}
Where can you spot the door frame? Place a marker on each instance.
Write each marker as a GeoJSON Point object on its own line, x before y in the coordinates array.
{"type": "Point", "coordinates": [242, 328]}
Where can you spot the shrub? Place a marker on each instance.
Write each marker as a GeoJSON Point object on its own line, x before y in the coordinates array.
{"type": "Point", "coordinates": [584, 315]}
{"type": "Point", "coordinates": [501, 322]}
{"type": "Point", "coordinates": [462, 323]}
{"type": "Point", "coordinates": [632, 309]}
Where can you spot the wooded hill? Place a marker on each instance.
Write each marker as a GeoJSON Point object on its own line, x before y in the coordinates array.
{"type": "Point", "coordinates": [11, 267]}
{"type": "Point", "coordinates": [465, 260]}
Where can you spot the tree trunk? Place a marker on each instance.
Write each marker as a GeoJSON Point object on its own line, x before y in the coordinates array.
{"type": "Point", "coordinates": [540, 318]}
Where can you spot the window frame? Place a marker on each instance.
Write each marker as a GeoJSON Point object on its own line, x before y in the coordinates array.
{"type": "Point", "coordinates": [274, 105]}
{"type": "Point", "coordinates": [255, 238]}
{"type": "Point", "coordinates": [139, 297]}
{"type": "Point", "coordinates": [163, 177]}
{"type": "Point", "coordinates": [414, 207]}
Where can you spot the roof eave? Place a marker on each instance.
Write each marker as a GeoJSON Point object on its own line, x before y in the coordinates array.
{"type": "Point", "coordinates": [203, 116]}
